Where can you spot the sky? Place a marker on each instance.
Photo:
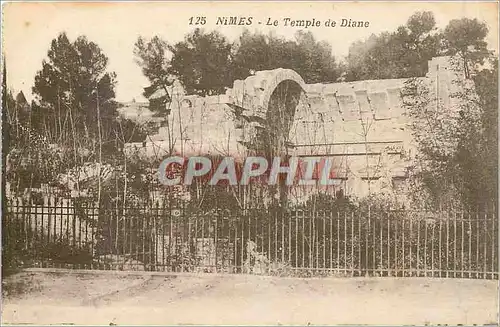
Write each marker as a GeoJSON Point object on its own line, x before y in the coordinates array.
{"type": "Point", "coordinates": [28, 28]}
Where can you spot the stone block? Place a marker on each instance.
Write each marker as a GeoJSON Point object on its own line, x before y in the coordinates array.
{"type": "Point", "coordinates": [362, 99]}
{"type": "Point", "coordinates": [332, 102]}
{"type": "Point", "coordinates": [317, 104]}
{"type": "Point", "coordinates": [379, 102]}
{"type": "Point", "coordinates": [348, 106]}
{"type": "Point", "coordinates": [395, 101]}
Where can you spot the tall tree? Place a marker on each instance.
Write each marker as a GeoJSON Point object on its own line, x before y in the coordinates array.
{"type": "Point", "coordinates": [313, 60]}
{"type": "Point", "coordinates": [458, 149]}
{"type": "Point", "coordinates": [479, 148]}
{"type": "Point", "coordinates": [399, 54]}
{"type": "Point", "coordinates": [206, 63]}
{"type": "Point", "coordinates": [153, 57]}
{"type": "Point", "coordinates": [466, 37]}
{"type": "Point", "coordinates": [202, 62]}
{"type": "Point", "coordinates": [253, 54]}
{"type": "Point", "coordinates": [72, 83]}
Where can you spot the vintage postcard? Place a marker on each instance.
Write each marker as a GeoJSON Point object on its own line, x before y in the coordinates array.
{"type": "Point", "coordinates": [250, 163]}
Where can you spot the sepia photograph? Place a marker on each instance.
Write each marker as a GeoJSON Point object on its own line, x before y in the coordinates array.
{"type": "Point", "coordinates": [250, 163]}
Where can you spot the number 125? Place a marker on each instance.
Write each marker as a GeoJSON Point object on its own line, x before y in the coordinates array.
{"type": "Point", "coordinates": [197, 21]}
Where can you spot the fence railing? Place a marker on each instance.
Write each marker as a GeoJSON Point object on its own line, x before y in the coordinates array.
{"type": "Point", "coordinates": [303, 243]}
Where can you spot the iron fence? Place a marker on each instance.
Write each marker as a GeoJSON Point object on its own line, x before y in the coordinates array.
{"type": "Point", "coordinates": [359, 242]}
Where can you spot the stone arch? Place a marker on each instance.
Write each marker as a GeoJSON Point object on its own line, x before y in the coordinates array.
{"type": "Point", "coordinates": [256, 101]}
{"type": "Point", "coordinates": [255, 92]}
{"type": "Point", "coordinates": [276, 78]}
{"type": "Point", "coordinates": [281, 110]}
{"type": "Point", "coordinates": [267, 102]}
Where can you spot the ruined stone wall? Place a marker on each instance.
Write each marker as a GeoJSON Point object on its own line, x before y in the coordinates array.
{"type": "Point", "coordinates": [196, 126]}
{"type": "Point", "coordinates": [363, 126]}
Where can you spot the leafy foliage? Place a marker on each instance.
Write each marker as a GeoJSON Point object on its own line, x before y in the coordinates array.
{"type": "Point", "coordinates": [313, 60]}
{"type": "Point", "coordinates": [403, 53]}
{"type": "Point", "coordinates": [151, 56]}
{"type": "Point", "coordinates": [465, 37]}
{"type": "Point", "coordinates": [200, 62]}
{"type": "Point", "coordinates": [72, 82]}
{"type": "Point", "coordinates": [206, 62]}
{"type": "Point", "coordinates": [406, 51]}
{"type": "Point", "coordinates": [457, 144]}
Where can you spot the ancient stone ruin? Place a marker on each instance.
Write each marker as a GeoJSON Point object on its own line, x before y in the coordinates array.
{"type": "Point", "coordinates": [363, 125]}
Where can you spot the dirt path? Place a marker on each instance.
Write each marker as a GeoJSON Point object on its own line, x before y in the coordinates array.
{"type": "Point", "coordinates": [241, 299]}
